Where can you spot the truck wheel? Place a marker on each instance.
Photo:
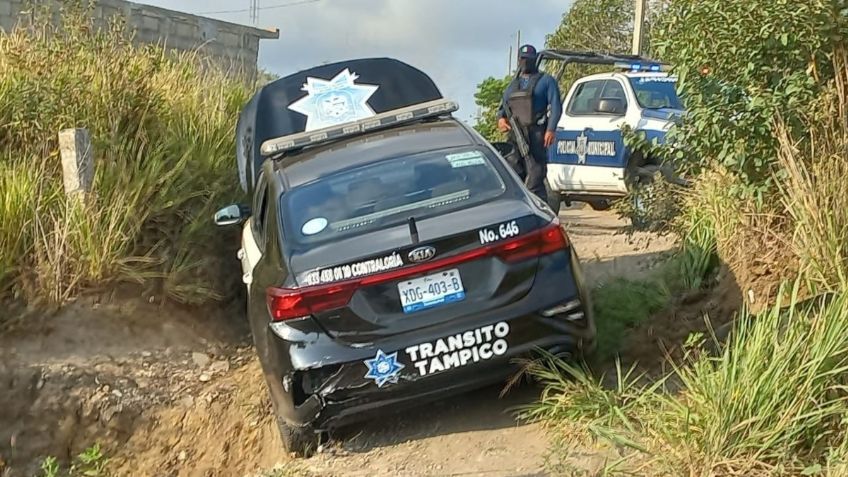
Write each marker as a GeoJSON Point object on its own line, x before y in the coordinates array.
{"type": "Point", "coordinates": [599, 205]}
{"type": "Point", "coordinates": [302, 441]}
{"type": "Point", "coordinates": [638, 219]}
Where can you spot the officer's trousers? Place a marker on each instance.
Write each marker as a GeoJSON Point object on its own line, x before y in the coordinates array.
{"type": "Point", "coordinates": [533, 170]}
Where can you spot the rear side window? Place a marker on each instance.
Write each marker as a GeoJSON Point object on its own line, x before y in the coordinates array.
{"type": "Point", "coordinates": [388, 192]}
{"type": "Point", "coordinates": [585, 98]}
{"type": "Point", "coordinates": [614, 90]}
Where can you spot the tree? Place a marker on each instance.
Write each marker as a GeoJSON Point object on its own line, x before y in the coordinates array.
{"type": "Point", "coordinates": [601, 26]}
{"type": "Point", "coordinates": [604, 26]}
{"type": "Point", "coordinates": [488, 99]}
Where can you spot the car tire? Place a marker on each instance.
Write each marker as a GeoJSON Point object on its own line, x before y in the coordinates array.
{"type": "Point", "coordinates": [639, 220]}
{"type": "Point", "coordinates": [301, 441]}
{"type": "Point", "coordinates": [645, 178]}
{"type": "Point", "coordinates": [600, 205]}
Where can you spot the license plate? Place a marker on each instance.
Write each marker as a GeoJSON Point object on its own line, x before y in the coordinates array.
{"type": "Point", "coordinates": [430, 291]}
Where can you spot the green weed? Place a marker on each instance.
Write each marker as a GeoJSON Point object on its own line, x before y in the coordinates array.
{"type": "Point", "coordinates": [621, 305]}
{"type": "Point", "coordinates": [90, 463]}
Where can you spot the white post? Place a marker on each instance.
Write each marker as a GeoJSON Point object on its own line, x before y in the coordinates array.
{"type": "Point", "coordinates": [77, 161]}
{"type": "Point", "coordinates": [638, 22]}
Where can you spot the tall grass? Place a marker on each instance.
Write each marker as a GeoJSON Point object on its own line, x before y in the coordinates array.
{"type": "Point", "coordinates": [774, 399]}
{"type": "Point", "coordinates": [815, 191]}
{"type": "Point", "coordinates": [162, 128]}
{"type": "Point", "coordinates": [772, 403]}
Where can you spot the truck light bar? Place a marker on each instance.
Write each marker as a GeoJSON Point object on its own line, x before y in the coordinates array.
{"type": "Point", "coordinates": [636, 66]}
{"type": "Point", "coordinates": [389, 118]}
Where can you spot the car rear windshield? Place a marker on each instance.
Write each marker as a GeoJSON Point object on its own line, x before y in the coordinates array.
{"type": "Point", "coordinates": [388, 192]}
{"type": "Point", "coordinates": [656, 92]}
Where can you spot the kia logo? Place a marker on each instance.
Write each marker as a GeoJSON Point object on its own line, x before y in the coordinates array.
{"type": "Point", "coordinates": [422, 254]}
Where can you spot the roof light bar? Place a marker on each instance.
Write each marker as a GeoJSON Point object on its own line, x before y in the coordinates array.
{"type": "Point", "coordinates": [635, 66]}
{"type": "Point", "coordinates": [383, 120]}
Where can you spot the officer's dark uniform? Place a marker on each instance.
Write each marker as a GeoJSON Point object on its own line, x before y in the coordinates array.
{"type": "Point", "coordinates": [534, 99]}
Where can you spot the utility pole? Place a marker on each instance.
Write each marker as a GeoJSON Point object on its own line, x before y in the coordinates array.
{"type": "Point", "coordinates": [254, 11]}
{"type": "Point", "coordinates": [509, 68]}
{"type": "Point", "coordinates": [638, 22]}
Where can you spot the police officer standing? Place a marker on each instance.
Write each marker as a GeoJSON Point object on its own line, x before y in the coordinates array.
{"type": "Point", "coordinates": [534, 99]}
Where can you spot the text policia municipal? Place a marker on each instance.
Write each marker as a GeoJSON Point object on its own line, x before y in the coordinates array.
{"type": "Point", "coordinates": [460, 349]}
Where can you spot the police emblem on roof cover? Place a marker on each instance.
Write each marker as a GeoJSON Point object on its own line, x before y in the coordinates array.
{"type": "Point", "coordinates": [335, 101]}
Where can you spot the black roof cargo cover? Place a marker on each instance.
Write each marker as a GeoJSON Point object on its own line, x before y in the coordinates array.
{"type": "Point", "coordinates": [325, 95]}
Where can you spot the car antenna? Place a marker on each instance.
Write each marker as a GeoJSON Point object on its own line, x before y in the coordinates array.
{"type": "Point", "coordinates": [413, 231]}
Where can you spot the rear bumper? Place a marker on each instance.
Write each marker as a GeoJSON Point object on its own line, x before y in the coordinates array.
{"type": "Point", "coordinates": [323, 383]}
{"type": "Point", "coordinates": [360, 396]}
{"type": "Point", "coordinates": [578, 180]}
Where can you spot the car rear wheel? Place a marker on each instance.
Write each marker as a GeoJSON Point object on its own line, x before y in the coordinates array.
{"type": "Point", "coordinates": [302, 441]}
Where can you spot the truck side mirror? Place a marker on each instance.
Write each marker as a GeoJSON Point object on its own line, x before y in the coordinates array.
{"type": "Point", "coordinates": [614, 106]}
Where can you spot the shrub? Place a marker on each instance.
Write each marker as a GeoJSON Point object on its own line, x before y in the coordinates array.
{"type": "Point", "coordinates": [764, 58]}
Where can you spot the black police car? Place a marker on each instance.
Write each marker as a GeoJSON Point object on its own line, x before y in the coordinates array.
{"type": "Point", "coordinates": [391, 256]}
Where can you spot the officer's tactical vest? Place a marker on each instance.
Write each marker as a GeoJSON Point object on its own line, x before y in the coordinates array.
{"type": "Point", "coordinates": [521, 102]}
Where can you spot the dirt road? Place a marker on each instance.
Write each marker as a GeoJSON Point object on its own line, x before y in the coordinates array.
{"type": "Point", "coordinates": [177, 392]}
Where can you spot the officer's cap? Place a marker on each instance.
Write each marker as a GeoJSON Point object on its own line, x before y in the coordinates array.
{"type": "Point", "coordinates": [527, 51]}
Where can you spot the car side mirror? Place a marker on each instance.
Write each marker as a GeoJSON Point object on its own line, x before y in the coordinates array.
{"type": "Point", "coordinates": [232, 215]}
{"type": "Point", "coordinates": [613, 106]}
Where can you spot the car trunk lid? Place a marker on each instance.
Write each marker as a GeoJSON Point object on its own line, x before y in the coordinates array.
{"type": "Point", "coordinates": [465, 263]}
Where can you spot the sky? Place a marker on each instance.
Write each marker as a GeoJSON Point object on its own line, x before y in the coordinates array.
{"type": "Point", "coordinates": [457, 42]}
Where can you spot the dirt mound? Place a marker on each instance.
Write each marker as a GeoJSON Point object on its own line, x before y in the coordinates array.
{"type": "Point", "coordinates": [162, 391]}
{"type": "Point", "coordinates": [225, 430]}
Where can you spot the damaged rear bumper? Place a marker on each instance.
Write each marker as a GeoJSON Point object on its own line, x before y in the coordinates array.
{"type": "Point", "coordinates": [337, 394]}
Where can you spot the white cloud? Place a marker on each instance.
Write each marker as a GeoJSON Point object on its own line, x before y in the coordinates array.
{"type": "Point", "coordinates": [457, 42]}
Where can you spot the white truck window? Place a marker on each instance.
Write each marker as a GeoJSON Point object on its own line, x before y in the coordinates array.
{"type": "Point", "coordinates": [614, 90]}
{"type": "Point", "coordinates": [587, 95]}
{"type": "Point", "coordinates": [585, 98]}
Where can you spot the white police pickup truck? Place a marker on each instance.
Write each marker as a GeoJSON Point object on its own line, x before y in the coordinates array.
{"type": "Point", "coordinates": [589, 161]}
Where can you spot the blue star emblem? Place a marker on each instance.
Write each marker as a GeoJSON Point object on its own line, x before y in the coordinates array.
{"type": "Point", "coordinates": [383, 368]}
{"type": "Point", "coordinates": [331, 102]}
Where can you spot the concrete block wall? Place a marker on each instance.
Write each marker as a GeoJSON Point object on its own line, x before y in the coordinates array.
{"type": "Point", "coordinates": [228, 44]}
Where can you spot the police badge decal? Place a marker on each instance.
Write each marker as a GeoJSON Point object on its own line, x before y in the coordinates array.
{"type": "Point", "coordinates": [335, 101]}
{"type": "Point", "coordinates": [582, 148]}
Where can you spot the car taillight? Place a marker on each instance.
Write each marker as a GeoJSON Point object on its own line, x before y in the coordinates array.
{"type": "Point", "coordinates": [541, 242]}
{"type": "Point", "coordinates": [289, 303]}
